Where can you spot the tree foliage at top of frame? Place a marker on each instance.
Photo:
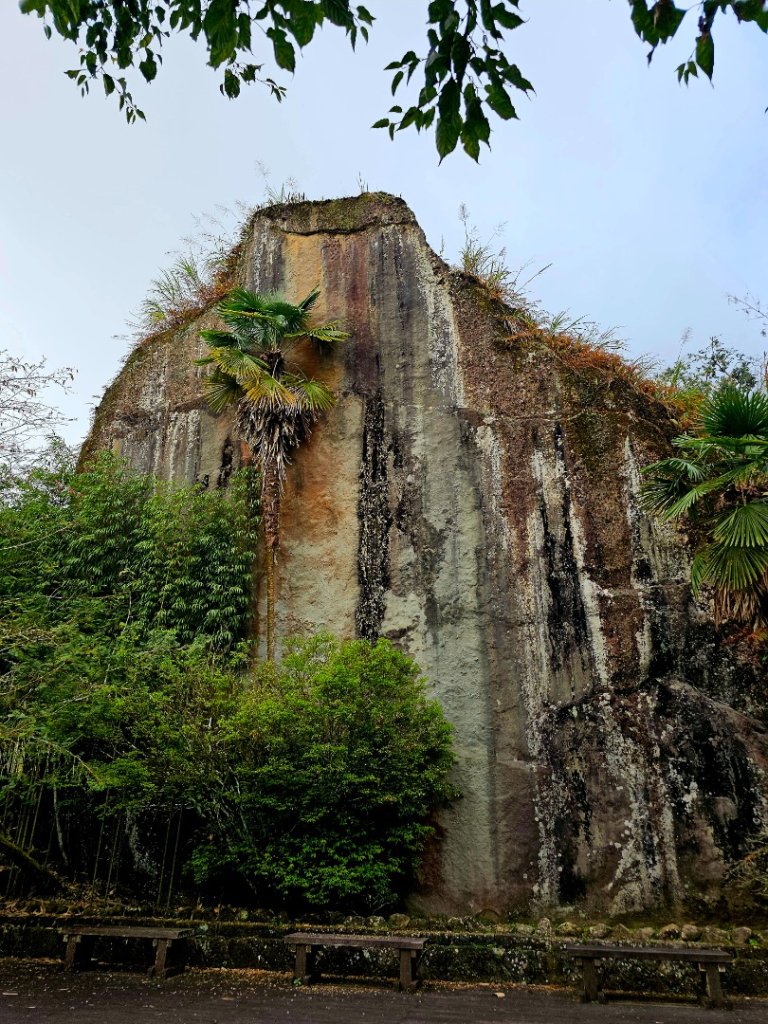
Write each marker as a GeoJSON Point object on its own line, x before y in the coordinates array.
{"type": "Point", "coordinates": [463, 70]}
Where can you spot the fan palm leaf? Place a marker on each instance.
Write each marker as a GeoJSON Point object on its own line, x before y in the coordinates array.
{"type": "Point", "coordinates": [221, 390]}
{"type": "Point", "coordinates": [312, 395]}
{"type": "Point", "coordinates": [262, 389]}
{"type": "Point", "coordinates": [746, 526]}
{"type": "Point", "coordinates": [729, 568]}
{"type": "Point", "coordinates": [734, 412]}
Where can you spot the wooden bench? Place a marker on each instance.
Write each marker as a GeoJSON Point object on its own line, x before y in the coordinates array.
{"type": "Point", "coordinates": [306, 945]}
{"type": "Point", "coordinates": [81, 939]}
{"type": "Point", "coordinates": [711, 963]}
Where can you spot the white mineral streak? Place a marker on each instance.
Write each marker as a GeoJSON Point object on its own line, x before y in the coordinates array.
{"type": "Point", "coordinates": [182, 447]}
{"type": "Point", "coordinates": [264, 264]}
{"type": "Point", "coordinates": [638, 879]}
{"type": "Point", "coordinates": [548, 683]}
{"type": "Point", "coordinates": [443, 494]}
{"type": "Point", "coordinates": [489, 446]}
{"type": "Point", "coordinates": [590, 593]}
{"type": "Point", "coordinates": [443, 335]}
{"type": "Point", "coordinates": [554, 485]}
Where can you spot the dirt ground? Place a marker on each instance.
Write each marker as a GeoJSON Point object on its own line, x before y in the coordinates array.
{"type": "Point", "coordinates": [38, 992]}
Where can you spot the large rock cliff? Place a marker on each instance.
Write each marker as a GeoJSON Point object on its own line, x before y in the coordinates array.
{"type": "Point", "coordinates": [475, 499]}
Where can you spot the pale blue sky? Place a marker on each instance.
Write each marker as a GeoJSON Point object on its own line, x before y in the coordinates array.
{"type": "Point", "coordinates": [649, 200]}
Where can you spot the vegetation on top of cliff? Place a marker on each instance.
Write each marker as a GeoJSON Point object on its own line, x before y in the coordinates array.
{"type": "Point", "coordinates": [277, 403]}
{"type": "Point", "coordinates": [139, 754]}
{"type": "Point", "coordinates": [589, 351]}
{"type": "Point", "coordinates": [464, 72]}
{"type": "Point", "coordinates": [580, 345]}
{"type": "Point", "coordinates": [198, 277]}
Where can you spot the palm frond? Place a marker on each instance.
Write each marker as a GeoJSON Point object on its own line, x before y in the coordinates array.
{"type": "Point", "coordinates": [686, 468]}
{"type": "Point", "coordinates": [307, 303]}
{"type": "Point", "coordinates": [237, 363]}
{"type": "Point", "coordinates": [265, 319]}
{"type": "Point", "coordinates": [700, 569]}
{"type": "Point", "coordinates": [734, 412]}
{"type": "Point", "coordinates": [219, 339]}
{"type": "Point", "coordinates": [326, 334]}
{"type": "Point", "coordinates": [311, 395]}
{"type": "Point", "coordinates": [745, 526]}
{"type": "Point", "coordinates": [693, 495]}
{"type": "Point", "coordinates": [266, 390]}
{"type": "Point", "coordinates": [221, 390]}
{"type": "Point", "coordinates": [731, 567]}
{"type": "Point", "coordinates": [660, 494]}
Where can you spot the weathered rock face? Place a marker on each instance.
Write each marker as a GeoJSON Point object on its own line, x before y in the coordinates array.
{"type": "Point", "coordinates": [476, 501]}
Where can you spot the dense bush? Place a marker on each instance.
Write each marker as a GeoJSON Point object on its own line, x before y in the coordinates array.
{"type": "Point", "coordinates": [154, 557]}
{"type": "Point", "coordinates": [337, 759]}
{"type": "Point", "coordinates": [140, 749]}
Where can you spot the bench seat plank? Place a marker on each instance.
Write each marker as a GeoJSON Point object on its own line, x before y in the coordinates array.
{"type": "Point", "coordinates": [128, 932]}
{"type": "Point", "coordinates": [355, 941]}
{"type": "Point", "coordinates": [306, 943]}
{"type": "Point", "coordinates": [710, 963]}
{"type": "Point", "coordinates": [648, 953]}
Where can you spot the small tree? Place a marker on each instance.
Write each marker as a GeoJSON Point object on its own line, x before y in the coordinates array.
{"type": "Point", "coordinates": [278, 403]}
{"type": "Point", "coordinates": [25, 419]}
{"type": "Point", "coordinates": [336, 760]}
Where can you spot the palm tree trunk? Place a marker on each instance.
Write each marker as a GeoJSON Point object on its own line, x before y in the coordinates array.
{"type": "Point", "coordinates": [271, 519]}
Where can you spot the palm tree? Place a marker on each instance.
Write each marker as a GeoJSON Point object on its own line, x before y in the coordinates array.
{"type": "Point", "coordinates": [277, 404]}
{"type": "Point", "coordinates": [719, 480]}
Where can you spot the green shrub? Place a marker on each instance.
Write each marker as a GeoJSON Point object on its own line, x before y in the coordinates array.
{"type": "Point", "coordinates": [338, 759]}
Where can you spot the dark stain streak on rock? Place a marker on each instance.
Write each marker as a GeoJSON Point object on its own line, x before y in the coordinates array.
{"type": "Point", "coordinates": [567, 619]}
{"type": "Point", "coordinates": [375, 521]}
{"type": "Point", "coordinates": [225, 470]}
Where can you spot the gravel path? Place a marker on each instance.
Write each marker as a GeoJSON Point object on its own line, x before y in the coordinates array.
{"type": "Point", "coordinates": [37, 992]}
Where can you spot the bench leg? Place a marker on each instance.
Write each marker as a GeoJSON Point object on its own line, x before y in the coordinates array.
{"type": "Point", "coordinates": [79, 952]}
{"type": "Point", "coordinates": [305, 969]}
{"type": "Point", "coordinates": [160, 966]}
{"type": "Point", "coordinates": [589, 980]}
{"type": "Point", "coordinates": [714, 988]}
{"type": "Point", "coordinates": [407, 965]}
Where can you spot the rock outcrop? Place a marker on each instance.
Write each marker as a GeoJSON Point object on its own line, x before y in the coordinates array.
{"type": "Point", "coordinates": [475, 499]}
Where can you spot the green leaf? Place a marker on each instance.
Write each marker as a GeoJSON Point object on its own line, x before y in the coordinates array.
{"type": "Point", "coordinates": [219, 25]}
{"type": "Point", "coordinates": [745, 526]}
{"type": "Point", "coordinates": [148, 67]}
{"type": "Point", "coordinates": [507, 19]}
{"type": "Point", "coordinates": [302, 21]}
{"type": "Point", "coordinates": [231, 85]}
{"type": "Point", "coordinates": [705, 53]}
{"type": "Point", "coordinates": [449, 118]}
{"type": "Point", "coordinates": [666, 19]}
{"type": "Point", "coordinates": [285, 55]}
{"type": "Point", "coordinates": [499, 101]}
{"type": "Point", "coordinates": [337, 12]}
